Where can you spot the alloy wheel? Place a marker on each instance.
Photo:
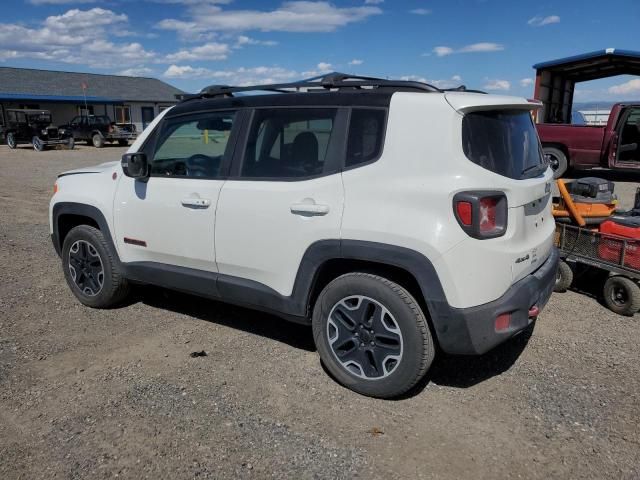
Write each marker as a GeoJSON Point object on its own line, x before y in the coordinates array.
{"type": "Point", "coordinates": [364, 337]}
{"type": "Point", "coordinates": [85, 268]}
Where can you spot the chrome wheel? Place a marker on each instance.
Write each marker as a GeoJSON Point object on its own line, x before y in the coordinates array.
{"type": "Point", "coordinates": [85, 267]}
{"type": "Point", "coordinates": [364, 337]}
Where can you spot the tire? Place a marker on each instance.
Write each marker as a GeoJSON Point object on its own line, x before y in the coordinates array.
{"type": "Point", "coordinates": [11, 140]}
{"type": "Point", "coordinates": [564, 277]}
{"type": "Point", "coordinates": [97, 140]}
{"type": "Point", "coordinates": [557, 161]}
{"type": "Point", "coordinates": [71, 143]}
{"type": "Point", "coordinates": [401, 344]}
{"type": "Point", "coordinates": [38, 146]}
{"type": "Point", "coordinates": [123, 143]}
{"type": "Point", "coordinates": [97, 280]}
{"type": "Point", "coordinates": [622, 295]}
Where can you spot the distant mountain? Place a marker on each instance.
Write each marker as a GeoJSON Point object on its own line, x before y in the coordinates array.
{"type": "Point", "coordinates": [603, 105]}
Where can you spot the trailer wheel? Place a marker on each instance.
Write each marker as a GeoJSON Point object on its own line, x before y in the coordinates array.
{"type": "Point", "coordinates": [622, 295]}
{"type": "Point", "coordinates": [564, 277]}
{"type": "Point", "coordinates": [557, 161]}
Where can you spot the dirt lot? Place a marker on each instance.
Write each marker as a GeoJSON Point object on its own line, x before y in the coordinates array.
{"type": "Point", "coordinates": [100, 394]}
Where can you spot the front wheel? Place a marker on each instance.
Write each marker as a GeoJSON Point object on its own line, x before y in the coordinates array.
{"type": "Point", "coordinates": [98, 140]}
{"type": "Point", "coordinates": [622, 295]}
{"type": "Point", "coordinates": [91, 270]}
{"type": "Point", "coordinates": [372, 335]}
{"type": "Point", "coordinates": [38, 146]}
{"type": "Point", "coordinates": [11, 140]}
{"type": "Point", "coordinates": [557, 161]}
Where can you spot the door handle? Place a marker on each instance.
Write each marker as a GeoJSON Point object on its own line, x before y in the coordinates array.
{"type": "Point", "coordinates": [309, 209]}
{"type": "Point", "coordinates": [194, 202]}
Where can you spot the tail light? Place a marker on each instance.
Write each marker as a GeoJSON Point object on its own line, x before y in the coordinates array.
{"type": "Point", "coordinates": [481, 214]}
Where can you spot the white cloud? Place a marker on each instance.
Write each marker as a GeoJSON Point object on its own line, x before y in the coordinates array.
{"type": "Point", "coordinates": [373, 2]}
{"type": "Point", "coordinates": [627, 88]}
{"type": "Point", "coordinates": [186, 71]}
{"type": "Point", "coordinates": [325, 67]}
{"type": "Point", "coordinates": [526, 82]}
{"type": "Point", "coordinates": [208, 51]}
{"type": "Point", "coordinates": [497, 85]}
{"type": "Point", "coordinates": [59, 2]}
{"type": "Point", "coordinates": [292, 16]}
{"type": "Point", "coordinates": [452, 82]}
{"type": "Point", "coordinates": [442, 51]}
{"type": "Point", "coordinates": [75, 19]}
{"type": "Point", "coordinates": [540, 21]}
{"type": "Point", "coordinates": [243, 40]}
{"type": "Point", "coordinates": [420, 11]}
{"type": "Point", "coordinates": [240, 76]}
{"type": "Point", "coordinates": [136, 72]}
{"type": "Point", "coordinates": [356, 61]}
{"type": "Point", "coordinates": [456, 78]}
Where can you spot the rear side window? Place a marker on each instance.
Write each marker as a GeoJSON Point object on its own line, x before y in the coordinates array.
{"type": "Point", "coordinates": [503, 141]}
{"type": "Point", "coordinates": [288, 143]}
{"type": "Point", "coordinates": [366, 132]}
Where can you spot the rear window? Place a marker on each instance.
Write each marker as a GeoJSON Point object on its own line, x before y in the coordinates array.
{"type": "Point", "coordinates": [503, 141]}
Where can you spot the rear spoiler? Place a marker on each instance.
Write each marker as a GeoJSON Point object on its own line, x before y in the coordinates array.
{"type": "Point", "coordinates": [467, 102]}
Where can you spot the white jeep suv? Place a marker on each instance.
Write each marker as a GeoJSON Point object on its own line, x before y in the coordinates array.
{"type": "Point", "coordinates": [394, 217]}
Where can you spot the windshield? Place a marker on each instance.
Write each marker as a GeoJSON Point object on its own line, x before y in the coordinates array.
{"type": "Point", "coordinates": [503, 141]}
{"type": "Point", "coordinates": [40, 118]}
{"type": "Point", "coordinates": [99, 120]}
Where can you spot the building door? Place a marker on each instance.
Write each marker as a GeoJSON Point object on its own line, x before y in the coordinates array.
{"type": "Point", "coordinates": [147, 116]}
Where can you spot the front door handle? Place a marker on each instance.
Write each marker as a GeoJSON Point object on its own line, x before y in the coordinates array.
{"type": "Point", "coordinates": [309, 209]}
{"type": "Point", "coordinates": [195, 202]}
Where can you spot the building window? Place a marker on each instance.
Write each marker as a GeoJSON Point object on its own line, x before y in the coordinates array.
{"type": "Point", "coordinates": [123, 114]}
{"type": "Point", "coordinates": [84, 111]}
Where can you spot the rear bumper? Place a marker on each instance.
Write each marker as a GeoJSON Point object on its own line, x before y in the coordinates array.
{"type": "Point", "coordinates": [121, 136]}
{"type": "Point", "coordinates": [471, 331]}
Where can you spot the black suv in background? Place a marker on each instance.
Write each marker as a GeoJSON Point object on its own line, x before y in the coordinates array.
{"type": "Point", "coordinates": [33, 127]}
{"type": "Point", "coordinates": [99, 129]}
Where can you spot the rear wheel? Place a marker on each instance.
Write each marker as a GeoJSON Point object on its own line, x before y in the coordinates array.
{"type": "Point", "coordinates": [97, 140]}
{"type": "Point", "coordinates": [564, 277]}
{"type": "Point", "coordinates": [90, 268]}
{"type": "Point", "coordinates": [557, 161]}
{"type": "Point", "coordinates": [371, 335]}
{"type": "Point", "coordinates": [38, 146]}
{"type": "Point", "coordinates": [11, 140]}
{"type": "Point", "coordinates": [622, 295]}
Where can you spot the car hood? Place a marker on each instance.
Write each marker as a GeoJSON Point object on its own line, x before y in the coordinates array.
{"type": "Point", "coordinates": [103, 167]}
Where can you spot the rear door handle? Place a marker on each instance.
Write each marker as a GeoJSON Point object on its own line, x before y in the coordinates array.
{"type": "Point", "coordinates": [309, 209]}
{"type": "Point", "coordinates": [194, 202]}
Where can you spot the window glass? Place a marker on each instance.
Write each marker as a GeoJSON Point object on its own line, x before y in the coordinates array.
{"type": "Point", "coordinates": [503, 141]}
{"type": "Point", "coordinates": [194, 147]}
{"type": "Point", "coordinates": [286, 143]}
{"type": "Point", "coordinates": [11, 117]}
{"type": "Point", "coordinates": [366, 131]}
{"type": "Point", "coordinates": [123, 114]}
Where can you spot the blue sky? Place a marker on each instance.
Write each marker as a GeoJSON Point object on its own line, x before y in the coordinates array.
{"type": "Point", "coordinates": [486, 44]}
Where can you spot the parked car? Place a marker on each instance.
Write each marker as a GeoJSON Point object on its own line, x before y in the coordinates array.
{"type": "Point", "coordinates": [615, 145]}
{"type": "Point", "coordinates": [99, 129]}
{"type": "Point", "coordinates": [390, 215]}
{"type": "Point", "coordinates": [23, 126]}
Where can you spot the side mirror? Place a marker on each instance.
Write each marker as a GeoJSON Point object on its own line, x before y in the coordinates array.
{"type": "Point", "coordinates": [135, 165]}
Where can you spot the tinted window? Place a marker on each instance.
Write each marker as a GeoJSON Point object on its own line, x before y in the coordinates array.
{"type": "Point", "coordinates": [503, 141]}
{"type": "Point", "coordinates": [286, 143]}
{"type": "Point", "coordinates": [366, 131]}
{"type": "Point", "coordinates": [193, 148]}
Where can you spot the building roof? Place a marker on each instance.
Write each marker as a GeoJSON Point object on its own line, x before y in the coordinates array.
{"type": "Point", "coordinates": [31, 84]}
{"type": "Point", "coordinates": [593, 65]}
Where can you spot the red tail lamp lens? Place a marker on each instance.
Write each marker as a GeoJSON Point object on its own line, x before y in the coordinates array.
{"type": "Point", "coordinates": [503, 321]}
{"type": "Point", "coordinates": [465, 212]}
{"type": "Point", "coordinates": [488, 208]}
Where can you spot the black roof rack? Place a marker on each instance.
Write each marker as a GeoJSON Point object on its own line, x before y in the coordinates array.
{"type": "Point", "coordinates": [329, 81]}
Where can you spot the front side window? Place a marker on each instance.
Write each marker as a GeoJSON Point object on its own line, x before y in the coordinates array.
{"type": "Point", "coordinates": [503, 141]}
{"type": "Point", "coordinates": [193, 147]}
{"type": "Point", "coordinates": [366, 132]}
{"type": "Point", "coordinates": [288, 143]}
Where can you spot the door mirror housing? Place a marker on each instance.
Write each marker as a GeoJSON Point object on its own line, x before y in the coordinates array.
{"type": "Point", "coordinates": [135, 165]}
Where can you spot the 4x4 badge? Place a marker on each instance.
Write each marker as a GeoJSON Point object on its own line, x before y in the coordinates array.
{"type": "Point", "coordinates": [522, 259]}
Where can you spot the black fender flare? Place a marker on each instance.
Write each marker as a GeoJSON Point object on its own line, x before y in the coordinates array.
{"type": "Point", "coordinates": [73, 208]}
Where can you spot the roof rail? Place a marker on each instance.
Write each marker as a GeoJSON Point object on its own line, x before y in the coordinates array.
{"type": "Point", "coordinates": [329, 81]}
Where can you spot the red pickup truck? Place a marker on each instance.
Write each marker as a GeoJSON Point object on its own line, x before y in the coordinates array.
{"type": "Point", "coordinates": [615, 145]}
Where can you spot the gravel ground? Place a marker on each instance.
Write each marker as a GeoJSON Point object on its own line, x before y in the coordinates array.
{"type": "Point", "coordinates": [101, 394]}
